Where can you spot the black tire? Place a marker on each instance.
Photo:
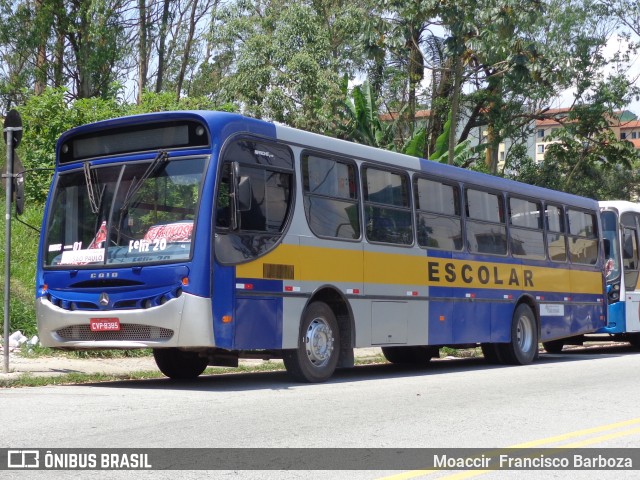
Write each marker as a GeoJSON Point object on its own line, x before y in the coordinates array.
{"type": "Point", "coordinates": [491, 353]}
{"type": "Point", "coordinates": [414, 355]}
{"type": "Point", "coordinates": [523, 347]}
{"type": "Point", "coordinates": [179, 365]}
{"type": "Point", "coordinates": [554, 346]}
{"type": "Point", "coordinates": [318, 350]}
{"type": "Point", "coordinates": [634, 339]}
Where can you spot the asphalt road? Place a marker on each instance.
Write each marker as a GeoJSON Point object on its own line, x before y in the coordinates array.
{"type": "Point", "coordinates": [585, 398]}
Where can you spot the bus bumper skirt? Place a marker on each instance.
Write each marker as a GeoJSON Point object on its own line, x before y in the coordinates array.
{"type": "Point", "coordinates": [181, 322]}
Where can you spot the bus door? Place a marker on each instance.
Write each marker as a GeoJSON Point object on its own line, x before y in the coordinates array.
{"type": "Point", "coordinates": [255, 193]}
{"type": "Point", "coordinates": [629, 227]}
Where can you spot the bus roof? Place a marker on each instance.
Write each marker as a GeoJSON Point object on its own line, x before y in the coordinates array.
{"type": "Point", "coordinates": [209, 116]}
{"type": "Point", "coordinates": [231, 123]}
{"type": "Point", "coordinates": [429, 167]}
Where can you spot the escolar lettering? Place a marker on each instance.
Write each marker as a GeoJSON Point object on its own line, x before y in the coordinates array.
{"type": "Point", "coordinates": [484, 275]}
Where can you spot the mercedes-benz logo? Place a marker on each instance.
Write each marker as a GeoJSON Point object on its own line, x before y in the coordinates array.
{"type": "Point", "coordinates": [104, 299]}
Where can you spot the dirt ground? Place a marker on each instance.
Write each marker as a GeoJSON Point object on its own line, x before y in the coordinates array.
{"type": "Point", "coordinates": [43, 366]}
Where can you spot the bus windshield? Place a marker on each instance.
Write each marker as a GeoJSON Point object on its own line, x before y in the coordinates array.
{"type": "Point", "coordinates": [133, 213]}
{"type": "Point", "coordinates": [610, 233]}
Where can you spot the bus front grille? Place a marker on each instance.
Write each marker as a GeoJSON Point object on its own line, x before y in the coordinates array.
{"type": "Point", "coordinates": [128, 331]}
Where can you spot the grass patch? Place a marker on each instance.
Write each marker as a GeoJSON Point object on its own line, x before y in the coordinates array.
{"type": "Point", "coordinates": [30, 380]}
{"type": "Point", "coordinates": [460, 352]}
{"type": "Point", "coordinates": [24, 248]}
{"type": "Point", "coordinates": [140, 352]}
{"type": "Point", "coordinates": [374, 360]}
{"type": "Point", "coordinates": [37, 351]}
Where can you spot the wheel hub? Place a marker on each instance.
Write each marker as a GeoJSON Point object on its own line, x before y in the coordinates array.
{"type": "Point", "coordinates": [524, 334]}
{"type": "Point", "coordinates": [319, 342]}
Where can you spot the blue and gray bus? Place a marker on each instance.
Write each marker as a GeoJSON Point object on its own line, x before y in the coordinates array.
{"type": "Point", "coordinates": [210, 237]}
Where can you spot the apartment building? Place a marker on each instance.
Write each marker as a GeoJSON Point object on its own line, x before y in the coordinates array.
{"type": "Point", "coordinates": [630, 131]}
{"type": "Point", "coordinates": [625, 125]}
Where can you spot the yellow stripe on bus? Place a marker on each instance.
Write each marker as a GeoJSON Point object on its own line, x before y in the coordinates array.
{"type": "Point", "coordinates": [310, 264]}
{"type": "Point", "coordinates": [319, 264]}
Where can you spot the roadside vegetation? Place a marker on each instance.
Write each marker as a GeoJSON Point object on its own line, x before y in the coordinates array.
{"type": "Point", "coordinates": [40, 351]}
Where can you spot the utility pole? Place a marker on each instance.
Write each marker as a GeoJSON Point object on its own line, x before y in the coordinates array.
{"type": "Point", "coordinates": [12, 136]}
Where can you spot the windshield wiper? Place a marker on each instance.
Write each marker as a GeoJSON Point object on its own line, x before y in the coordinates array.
{"type": "Point", "coordinates": [90, 177]}
{"type": "Point", "coordinates": [155, 166]}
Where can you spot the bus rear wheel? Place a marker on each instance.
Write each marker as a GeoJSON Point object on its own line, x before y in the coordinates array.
{"type": "Point", "coordinates": [318, 350]}
{"type": "Point", "coordinates": [523, 347]}
{"type": "Point", "coordinates": [179, 365]}
{"type": "Point", "coordinates": [415, 355]}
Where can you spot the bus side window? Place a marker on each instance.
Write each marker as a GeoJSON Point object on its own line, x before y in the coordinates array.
{"type": "Point", "coordinates": [486, 229]}
{"type": "Point", "coordinates": [438, 216]}
{"type": "Point", "coordinates": [526, 237]}
{"type": "Point", "coordinates": [330, 197]}
{"type": "Point", "coordinates": [583, 237]}
{"type": "Point", "coordinates": [387, 207]}
{"type": "Point", "coordinates": [556, 238]}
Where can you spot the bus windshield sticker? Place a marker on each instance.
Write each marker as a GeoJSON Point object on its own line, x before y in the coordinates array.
{"type": "Point", "coordinates": [80, 257]}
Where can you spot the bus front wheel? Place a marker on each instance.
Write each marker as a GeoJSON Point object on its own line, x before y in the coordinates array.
{"type": "Point", "coordinates": [523, 347]}
{"type": "Point", "coordinates": [318, 350]}
{"type": "Point", "coordinates": [179, 365]}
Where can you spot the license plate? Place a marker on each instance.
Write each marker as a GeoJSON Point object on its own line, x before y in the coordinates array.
{"type": "Point", "coordinates": [104, 324]}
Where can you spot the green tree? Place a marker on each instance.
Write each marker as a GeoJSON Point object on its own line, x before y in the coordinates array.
{"type": "Point", "coordinates": [95, 33]}
{"type": "Point", "coordinates": [586, 158]}
{"type": "Point", "coordinates": [364, 123]}
{"type": "Point", "coordinates": [19, 32]}
{"type": "Point", "coordinates": [288, 58]}
{"type": "Point", "coordinates": [500, 65]}
{"type": "Point", "coordinates": [72, 43]}
{"type": "Point", "coordinates": [45, 117]}
{"type": "Point", "coordinates": [162, 102]}
{"type": "Point", "coordinates": [395, 38]}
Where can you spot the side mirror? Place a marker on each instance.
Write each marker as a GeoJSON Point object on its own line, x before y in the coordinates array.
{"type": "Point", "coordinates": [240, 195]}
{"type": "Point", "coordinates": [244, 194]}
{"type": "Point", "coordinates": [606, 243]}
